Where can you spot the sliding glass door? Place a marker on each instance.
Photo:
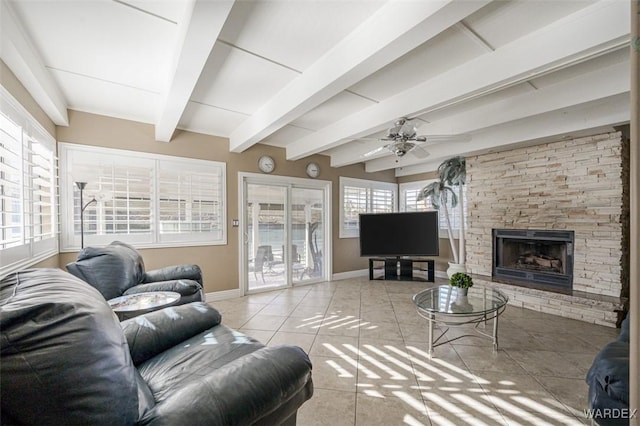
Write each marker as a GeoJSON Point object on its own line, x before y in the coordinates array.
{"type": "Point", "coordinates": [266, 229]}
{"type": "Point", "coordinates": [308, 234]}
{"type": "Point", "coordinates": [284, 231]}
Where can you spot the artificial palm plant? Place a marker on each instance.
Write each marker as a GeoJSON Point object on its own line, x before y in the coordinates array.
{"type": "Point", "coordinates": [451, 173]}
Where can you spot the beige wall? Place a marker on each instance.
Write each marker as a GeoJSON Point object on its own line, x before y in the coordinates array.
{"type": "Point", "coordinates": [10, 82]}
{"type": "Point", "coordinates": [219, 263]}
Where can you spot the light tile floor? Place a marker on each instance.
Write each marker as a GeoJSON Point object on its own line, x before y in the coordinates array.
{"type": "Point", "coordinates": [370, 365]}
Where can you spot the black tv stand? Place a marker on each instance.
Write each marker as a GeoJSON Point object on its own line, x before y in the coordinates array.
{"type": "Point", "coordinates": [402, 269]}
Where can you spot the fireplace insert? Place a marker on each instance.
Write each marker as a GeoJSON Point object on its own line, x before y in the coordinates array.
{"type": "Point", "coordinates": [534, 258]}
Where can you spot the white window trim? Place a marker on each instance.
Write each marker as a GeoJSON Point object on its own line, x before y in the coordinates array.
{"type": "Point", "coordinates": [68, 239]}
{"type": "Point", "coordinates": [408, 186]}
{"type": "Point", "coordinates": [362, 183]}
{"type": "Point", "coordinates": [23, 256]}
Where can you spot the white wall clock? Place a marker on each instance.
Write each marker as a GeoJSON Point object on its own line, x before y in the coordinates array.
{"type": "Point", "coordinates": [313, 170]}
{"type": "Point", "coordinates": [266, 164]}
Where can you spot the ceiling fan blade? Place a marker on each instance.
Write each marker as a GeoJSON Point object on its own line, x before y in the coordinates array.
{"type": "Point", "coordinates": [408, 130]}
{"type": "Point", "coordinates": [375, 151]}
{"type": "Point", "coordinates": [419, 152]}
{"type": "Point", "coordinates": [463, 137]}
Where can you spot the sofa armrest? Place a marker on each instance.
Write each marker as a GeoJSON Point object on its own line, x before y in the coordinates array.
{"type": "Point", "coordinates": [610, 370]}
{"type": "Point", "coordinates": [177, 272]}
{"type": "Point", "coordinates": [599, 401]}
{"type": "Point", "coordinates": [183, 287]}
{"type": "Point", "coordinates": [242, 392]}
{"type": "Point", "coordinates": [153, 333]}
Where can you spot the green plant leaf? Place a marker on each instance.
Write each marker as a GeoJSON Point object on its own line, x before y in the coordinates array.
{"type": "Point", "coordinates": [461, 280]}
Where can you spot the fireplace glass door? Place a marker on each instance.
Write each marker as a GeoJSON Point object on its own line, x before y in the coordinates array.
{"type": "Point", "coordinates": [546, 256]}
{"type": "Point", "coordinates": [534, 257]}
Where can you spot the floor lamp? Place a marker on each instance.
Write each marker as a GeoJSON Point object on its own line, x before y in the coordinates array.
{"type": "Point", "coordinates": [81, 186]}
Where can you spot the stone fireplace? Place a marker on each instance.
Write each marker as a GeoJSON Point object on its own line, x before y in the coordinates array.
{"type": "Point", "coordinates": [567, 186]}
{"type": "Point", "coordinates": [534, 258]}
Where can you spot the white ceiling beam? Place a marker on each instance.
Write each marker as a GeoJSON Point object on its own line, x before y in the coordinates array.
{"type": "Point", "coordinates": [397, 28]}
{"type": "Point", "coordinates": [198, 33]}
{"type": "Point", "coordinates": [21, 56]}
{"type": "Point", "coordinates": [599, 84]}
{"type": "Point", "coordinates": [563, 43]}
{"type": "Point", "coordinates": [588, 119]}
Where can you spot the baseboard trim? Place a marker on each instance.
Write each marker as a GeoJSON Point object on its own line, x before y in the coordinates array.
{"type": "Point", "coordinates": [231, 294]}
{"type": "Point", "coordinates": [350, 274]}
{"type": "Point", "coordinates": [222, 295]}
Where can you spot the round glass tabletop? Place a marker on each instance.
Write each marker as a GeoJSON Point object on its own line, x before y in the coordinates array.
{"type": "Point", "coordinates": [143, 301]}
{"type": "Point", "coordinates": [450, 300]}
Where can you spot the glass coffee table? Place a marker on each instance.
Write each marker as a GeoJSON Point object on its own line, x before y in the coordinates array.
{"type": "Point", "coordinates": [131, 305]}
{"type": "Point", "coordinates": [449, 307]}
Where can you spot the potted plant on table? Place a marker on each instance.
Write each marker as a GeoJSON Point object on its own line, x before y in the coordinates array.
{"type": "Point", "coordinates": [451, 173]}
{"type": "Point", "coordinates": [462, 281]}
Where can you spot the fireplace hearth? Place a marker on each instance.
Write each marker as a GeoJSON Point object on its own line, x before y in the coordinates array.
{"type": "Point", "coordinates": [534, 258]}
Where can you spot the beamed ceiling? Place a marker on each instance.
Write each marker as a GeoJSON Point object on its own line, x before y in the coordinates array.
{"type": "Point", "coordinates": [317, 77]}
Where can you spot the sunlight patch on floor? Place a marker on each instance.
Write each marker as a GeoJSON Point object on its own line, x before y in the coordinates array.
{"type": "Point", "coordinates": [466, 403]}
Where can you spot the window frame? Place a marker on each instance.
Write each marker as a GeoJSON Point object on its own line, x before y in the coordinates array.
{"type": "Point", "coordinates": [32, 249]}
{"type": "Point", "coordinates": [367, 185]}
{"type": "Point", "coordinates": [154, 238]}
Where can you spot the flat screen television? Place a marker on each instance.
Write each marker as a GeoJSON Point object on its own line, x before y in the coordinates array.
{"type": "Point", "coordinates": [399, 234]}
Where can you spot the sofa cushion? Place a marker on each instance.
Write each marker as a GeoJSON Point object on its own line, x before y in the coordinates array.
{"type": "Point", "coordinates": [65, 359]}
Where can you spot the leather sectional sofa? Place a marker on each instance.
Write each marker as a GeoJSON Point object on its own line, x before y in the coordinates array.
{"type": "Point", "coordinates": [118, 269]}
{"type": "Point", "coordinates": [66, 359]}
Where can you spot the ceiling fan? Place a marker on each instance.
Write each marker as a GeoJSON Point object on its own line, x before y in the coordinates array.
{"type": "Point", "coordinates": [403, 139]}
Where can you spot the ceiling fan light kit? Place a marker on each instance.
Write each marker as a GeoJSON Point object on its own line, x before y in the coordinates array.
{"type": "Point", "coordinates": [400, 148]}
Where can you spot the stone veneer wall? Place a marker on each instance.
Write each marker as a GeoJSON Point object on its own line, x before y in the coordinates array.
{"type": "Point", "coordinates": [569, 185]}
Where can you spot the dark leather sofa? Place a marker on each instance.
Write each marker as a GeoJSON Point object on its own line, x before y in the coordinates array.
{"type": "Point", "coordinates": [67, 360]}
{"type": "Point", "coordinates": [118, 269]}
{"type": "Point", "coordinates": [608, 380]}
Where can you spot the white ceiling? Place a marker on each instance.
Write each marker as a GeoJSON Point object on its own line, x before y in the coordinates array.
{"type": "Point", "coordinates": [315, 76]}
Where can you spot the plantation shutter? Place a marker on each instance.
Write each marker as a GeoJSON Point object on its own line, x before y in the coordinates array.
{"type": "Point", "coordinates": [411, 203]}
{"type": "Point", "coordinates": [41, 187]}
{"type": "Point", "coordinates": [382, 201]}
{"type": "Point", "coordinates": [11, 184]}
{"type": "Point", "coordinates": [363, 196]}
{"type": "Point", "coordinates": [356, 201]}
{"type": "Point", "coordinates": [122, 188]}
{"type": "Point", "coordinates": [28, 188]}
{"type": "Point", "coordinates": [148, 200]}
{"type": "Point", "coordinates": [190, 206]}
